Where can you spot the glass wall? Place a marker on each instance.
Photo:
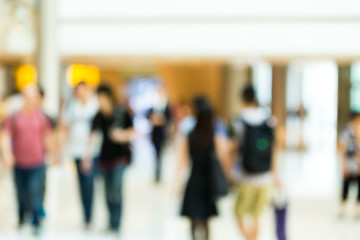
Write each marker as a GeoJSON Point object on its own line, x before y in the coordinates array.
{"type": "Point", "coordinates": [262, 76]}
{"type": "Point", "coordinates": [312, 102]}
{"type": "Point", "coordinates": [355, 87]}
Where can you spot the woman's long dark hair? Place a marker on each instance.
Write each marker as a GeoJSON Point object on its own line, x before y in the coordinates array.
{"type": "Point", "coordinates": [204, 129]}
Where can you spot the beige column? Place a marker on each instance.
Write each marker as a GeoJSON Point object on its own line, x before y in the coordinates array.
{"type": "Point", "coordinates": [279, 73]}
{"type": "Point", "coordinates": [48, 61]}
{"type": "Point", "coordinates": [3, 85]}
{"type": "Point", "coordinates": [344, 87]}
{"type": "Point", "coordinates": [236, 78]}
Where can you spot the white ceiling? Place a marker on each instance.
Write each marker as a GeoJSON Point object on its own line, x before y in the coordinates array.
{"type": "Point", "coordinates": [206, 28]}
{"type": "Point", "coordinates": [205, 8]}
{"type": "Point", "coordinates": [210, 28]}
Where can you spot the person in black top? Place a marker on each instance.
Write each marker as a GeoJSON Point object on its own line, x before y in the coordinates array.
{"type": "Point", "coordinates": [199, 204]}
{"type": "Point", "coordinates": [159, 117]}
{"type": "Point", "coordinates": [116, 125]}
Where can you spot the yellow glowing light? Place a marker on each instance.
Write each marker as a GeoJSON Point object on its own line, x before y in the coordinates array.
{"type": "Point", "coordinates": [25, 75]}
{"type": "Point", "coordinates": [83, 73]}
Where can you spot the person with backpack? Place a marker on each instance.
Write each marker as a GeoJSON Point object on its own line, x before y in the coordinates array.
{"type": "Point", "coordinates": [115, 124]}
{"type": "Point", "coordinates": [349, 157]}
{"type": "Point", "coordinates": [27, 137]}
{"type": "Point", "coordinates": [202, 149]}
{"type": "Point", "coordinates": [75, 127]}
{"type": "Point", "coordinates": [254, 148]}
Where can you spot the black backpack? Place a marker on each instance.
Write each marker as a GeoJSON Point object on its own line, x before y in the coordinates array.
{"type": "Point", "coordinates": [257, 147]}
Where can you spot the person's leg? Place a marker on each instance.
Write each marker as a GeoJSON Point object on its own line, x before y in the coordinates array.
{"type": "Point", "coordinates": [243, 229]}
{"type": "Point", "coordinates": [344, 195]}
{"type": "Point", "coordinates": [158, 163]}
{"type": "Point", "coordinates": [245, 198]}
{"type": "Point", "coordinates": [35, 184]}
{"type": "Point", "coordinates": [193, 229]}
{"type": "Point", "coordinates": [196, 229]}
{"type": "Point", "coordinates": [260, 202]}
{"type": "Point", "coordinates": [86, 185]}
{"type": "Point", "coordinates": [358, 197]}
{"type": "Point", "coordinates": [20, 180]}
{"type": "Point", "coordinates": [199, 229]}
{"type": "Point", "coordinates": [42, 211]}
{"type": "Point", "coordinates": [89, 195]}
{"type": "Point", "coordinates": [206, 229]}
{"type": "Point", "coordinates": [107, 175]}
{"type": "Point", "coordinates": [254, 230]}
{"type": "Point", "coordinates": [115, 198]}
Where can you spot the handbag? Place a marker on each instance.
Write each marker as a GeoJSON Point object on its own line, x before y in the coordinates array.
{"type": "Point", "coordinates": [280, 203]}
{"type": "Point", "coordinates": [218, 182]}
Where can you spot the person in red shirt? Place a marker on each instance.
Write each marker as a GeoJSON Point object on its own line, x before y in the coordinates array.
{"type": "Point", "coordinates": [27, 137]}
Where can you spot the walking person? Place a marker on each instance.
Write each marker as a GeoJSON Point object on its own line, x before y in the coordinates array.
{"type": "Point", "coordinates": [197, 150]}
{"type": "Point", "coordinates": [349, 156]}
{"type": "Point", "coordinates": [116, 126]}
{"type": "Point", "coordinates": [159, 117]}
{"type": "Point", "coordinates": [75, 128]}
{"type": "Point", "coordinates": [254, 147]}
{"type": "Point", "coordinates": [26, 138]}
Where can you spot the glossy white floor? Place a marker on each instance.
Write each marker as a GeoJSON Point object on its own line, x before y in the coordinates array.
{"type": "Point", "coordinates": [151, 212]}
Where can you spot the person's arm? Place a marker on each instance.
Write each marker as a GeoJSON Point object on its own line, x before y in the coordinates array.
{"type": "Point", "coordinates": [123, 135]}
{"type": "Point", "coordinates": [120, 135]}
{"type": "Point", "coordinates": [183, 163]}
{"type": "Point", "coordinates": [156, 119]}
{"type": "Point", "coordinates": [52, 147]}
{"type": "Point", "coordinates": [276, 150]}
{"type": "Point", "coordinates": [6, 142]}
{"type": "Point", "coordinates": [87, 161]}
{"type": "Point", "coordinates": [63, 134]}
{"type": "Point", "coordinates": [224, 150]}
{"type": "Point", "coordinates": [50, 140]}
{"type": "Point", "coordinates": [64, 127]}
{"type": "Point", "coordinates": [344, 140]}
{"type": "Point", "coordinates": [275, 165]}
{"type": "Point", "coordinates": [233, 147]}
{"type": "Point", "coordinates": [343, 158]}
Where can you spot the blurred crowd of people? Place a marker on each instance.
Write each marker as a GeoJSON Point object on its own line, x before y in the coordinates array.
{"type": "Point", "coordinates": [239, 154]}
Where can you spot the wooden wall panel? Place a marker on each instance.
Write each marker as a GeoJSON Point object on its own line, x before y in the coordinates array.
{"type": "Point", "coordinates": [344, 88]}
{"type": "Point", "coordinates": [112, 78]}
{"type": "Point", "coordinates": [186, 80]}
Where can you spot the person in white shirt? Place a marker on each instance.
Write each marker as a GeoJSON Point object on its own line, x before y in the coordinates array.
{"type": "Point", "coordinates": [75, 125]}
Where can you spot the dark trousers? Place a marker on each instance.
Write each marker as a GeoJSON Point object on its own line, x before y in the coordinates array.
{"type": "Point", "coordinates": [86, 185]}
{"type": "Point", "coordinates": [29, 185]}
{"type": "Point", "coordinates": [158, 164]}
{"type": "Point", "coordinates": [158, 138]}
{"type": "Point", "coordinates": [113, 190]}
{"type": "Point", "coordinates": [346, 186]}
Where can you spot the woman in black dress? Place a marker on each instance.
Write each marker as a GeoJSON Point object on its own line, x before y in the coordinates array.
{"type": "Point", "coordinates": [199, 204]}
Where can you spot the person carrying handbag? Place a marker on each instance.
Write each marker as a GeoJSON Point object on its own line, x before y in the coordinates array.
{"type": "Point", "coordinates": [203, 149]}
